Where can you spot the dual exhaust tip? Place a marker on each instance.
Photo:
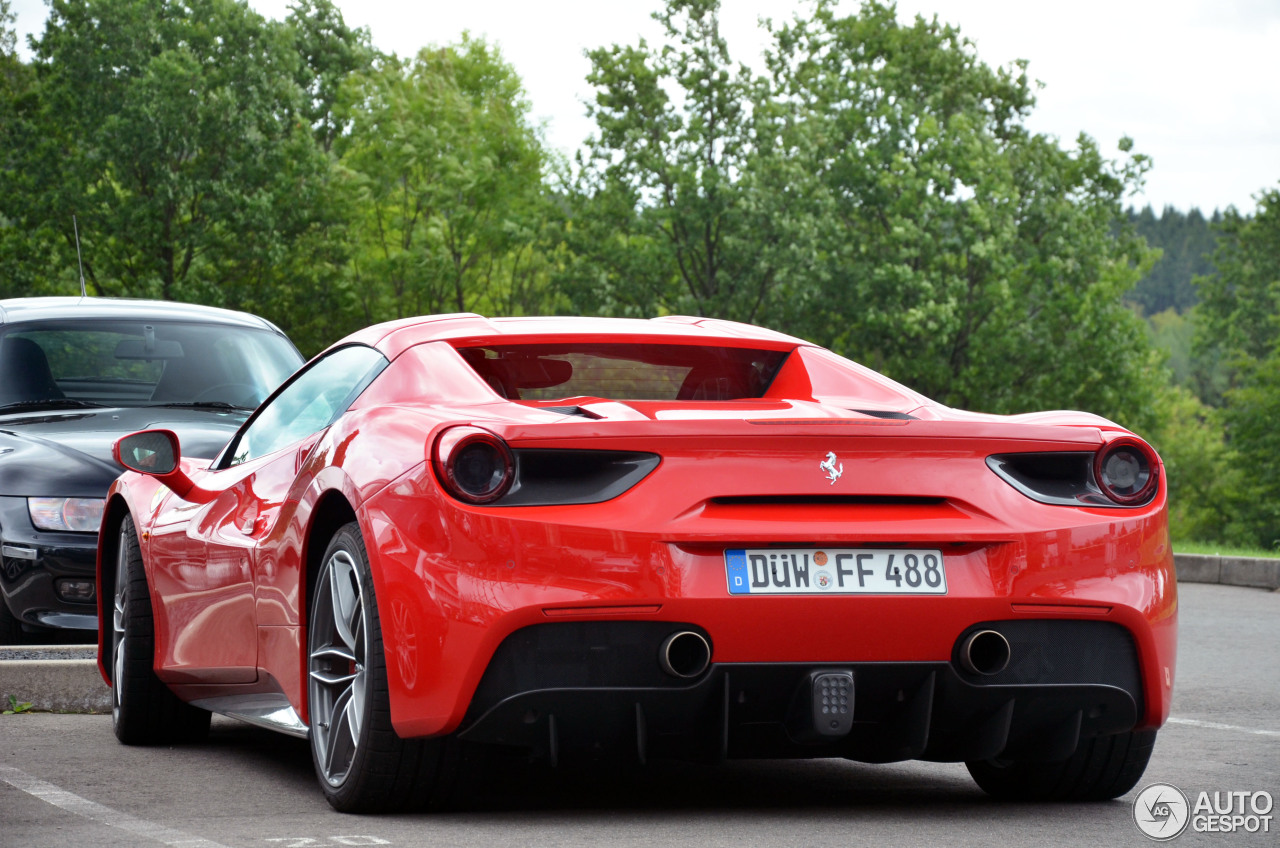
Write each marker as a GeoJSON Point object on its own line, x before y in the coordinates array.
{"type": "Point", "coordinates": [984, 652]}
{"type": "Point", "coordinates": [687, 654]}
{"type": "Point", "coordinates": [684, 654]}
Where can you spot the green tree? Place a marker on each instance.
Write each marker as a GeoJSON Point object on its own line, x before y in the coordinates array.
{"type": "Point", "coordinates": [8, 37]}
{"type": "Point", "coordinates": [1240, 306]}
{"type": "Point", "coordinates": [172, 130]}
{"type": "Point", "coordinates": [1203, 486]}
{"type": "Point", "coordinates": [675, 208]}
{"type": "Point", "coordinates": [1242, 301]}
{"type": "Point", "coordinates": [331, 52]}
{"type": "Point", "coordinates": [959, 252]}
{"type": "Point", "coordinates": [447, 174]}
{"type": "Point", "coordinates": [1201, 371]}
{"type": "Point", "coordinates": [20, 270]}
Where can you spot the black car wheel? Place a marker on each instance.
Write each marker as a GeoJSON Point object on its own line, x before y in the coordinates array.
{"type": "Point", "coordinates": [363, 766]}
{"type": "Point", "coordinates": [143, 710]}
{"type": "Point", "coordinates": [1102, 768]}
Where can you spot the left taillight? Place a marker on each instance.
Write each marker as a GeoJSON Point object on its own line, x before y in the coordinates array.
{"type": "Point", "coordinates": [473, 465]}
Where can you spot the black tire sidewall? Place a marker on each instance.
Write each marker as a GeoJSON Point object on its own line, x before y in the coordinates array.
{"type": "Point", "coordinates": [129, 684]}
{"type": "Point", "coordinates": [147, 712]}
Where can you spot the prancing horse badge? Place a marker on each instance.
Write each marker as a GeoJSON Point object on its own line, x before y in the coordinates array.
{"type": "Point", "coordinates": [831, 468]}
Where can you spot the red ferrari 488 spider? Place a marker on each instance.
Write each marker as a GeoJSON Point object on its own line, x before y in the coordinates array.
{"type": "Point", "coordinates": [671, 538]}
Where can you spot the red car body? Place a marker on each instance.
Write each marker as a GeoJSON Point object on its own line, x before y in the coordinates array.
{"type": "Point", "coordinates": [592, 602]}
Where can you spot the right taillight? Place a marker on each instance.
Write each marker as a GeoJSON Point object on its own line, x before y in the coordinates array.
{"type": "Point", "coordinates": [474, 465]}
{"type": "Point", "coordinates": [1125, 471]}
{"type": "Point", "coordinates": [1122, 473]}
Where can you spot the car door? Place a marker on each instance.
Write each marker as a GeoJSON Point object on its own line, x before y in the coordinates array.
{"type": "Point", "coordinates": [204, 602]}
{"type": "Point", "coordinates": [264, 461]}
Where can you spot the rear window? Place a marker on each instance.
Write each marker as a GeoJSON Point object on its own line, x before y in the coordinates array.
{"type": "Point", "coordinates": [619, 371]}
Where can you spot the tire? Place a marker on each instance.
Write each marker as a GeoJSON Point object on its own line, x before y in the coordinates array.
{"type": "Point", "coordinates": [143, 710]}
{"type": "Point", "coordinates": [1102, 768]}
{"type": "Point", "coordinates": [362, 765]}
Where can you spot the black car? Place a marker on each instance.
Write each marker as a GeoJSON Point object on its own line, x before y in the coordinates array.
{"type": "Point", "coordinates": [76, 374]}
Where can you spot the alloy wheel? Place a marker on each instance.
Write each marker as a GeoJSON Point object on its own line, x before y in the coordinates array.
{"type": "Point", "coordinates": [119, 615]}
{"type": "Point", "coordinates": [338, 646]}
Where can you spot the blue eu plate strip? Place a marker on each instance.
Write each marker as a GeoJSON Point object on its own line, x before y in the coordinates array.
{"type": "Point", "coordinates": [736, 565]}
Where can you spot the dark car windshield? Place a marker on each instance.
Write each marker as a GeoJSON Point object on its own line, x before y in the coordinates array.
{"type": "Point", "coordinates": [137, 363]}
{"type": "Point", "coordinates": [624, 371]}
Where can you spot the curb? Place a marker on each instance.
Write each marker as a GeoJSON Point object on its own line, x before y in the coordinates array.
{"type": "Point", "coordinates": [1229, 571]}
{"type": "Point", "coordinates": [66, 679]}
{"type": "Point", "coordinates": [54, 679]}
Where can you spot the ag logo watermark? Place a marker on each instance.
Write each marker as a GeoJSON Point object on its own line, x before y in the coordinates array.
{"type": "Point", "coordinates": [1162, 812]}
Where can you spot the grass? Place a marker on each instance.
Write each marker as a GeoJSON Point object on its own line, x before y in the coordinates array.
{"type": "Point", "coordinates": [1223, 550]}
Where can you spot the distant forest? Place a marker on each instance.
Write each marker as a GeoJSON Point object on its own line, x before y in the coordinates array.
{"type": "Point", "coordinates": [1186, 242]}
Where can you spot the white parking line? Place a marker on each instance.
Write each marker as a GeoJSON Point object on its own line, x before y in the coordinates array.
{"type": "Point", "coordinates": [85, 808]}
{"type": "Point", "coordinates": [1213, 725]}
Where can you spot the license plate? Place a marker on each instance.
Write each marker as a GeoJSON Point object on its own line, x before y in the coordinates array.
{"type": "Point", "coordinates": [835, 571]}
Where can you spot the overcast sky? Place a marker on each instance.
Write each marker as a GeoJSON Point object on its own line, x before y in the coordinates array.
{"type": "Point", "coordinates": [1195, 83]}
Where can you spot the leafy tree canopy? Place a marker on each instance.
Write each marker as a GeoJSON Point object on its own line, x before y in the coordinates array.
{"type": "Point", "coordinates": [174, 132]}
{"type": "Point", "coordinates": [447, 174]}
{"type": "Point", "coordinates": [877, 192]}
{"type": "Point", "coordinates": [1240, 310]}
{"type": "Point", "coordinates": [677, 207]}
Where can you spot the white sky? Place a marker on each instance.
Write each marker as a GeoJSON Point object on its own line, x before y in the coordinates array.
{"type": "Point", "coordinates": [1195, 83]}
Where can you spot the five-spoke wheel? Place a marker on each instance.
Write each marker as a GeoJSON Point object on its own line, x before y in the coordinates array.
{"type": "Point", "coordinates": [339, 644]}
{"type": "Point", "coordinates": [363, 765]}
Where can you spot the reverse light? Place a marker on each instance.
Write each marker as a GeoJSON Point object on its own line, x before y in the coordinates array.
{"type": "Point", "coordinates": [1125, 471]}
{"type": "Point", "coordinates": [473, 465]}
{"type": "Point", "coordinates": [67, 515]}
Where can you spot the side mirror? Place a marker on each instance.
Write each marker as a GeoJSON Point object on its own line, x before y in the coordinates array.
{"type": "Point", "coordinates": [156, 453]}
{"type": "Point", "coordinates": [153, 452]}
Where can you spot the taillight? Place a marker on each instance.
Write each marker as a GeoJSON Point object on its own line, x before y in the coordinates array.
{"type": "Point", "coordinates": [1122, 473]}
{"type": "Point", "coordinates": [1125, 471]}
{"type": "Point", "coordinates": [473, 465]}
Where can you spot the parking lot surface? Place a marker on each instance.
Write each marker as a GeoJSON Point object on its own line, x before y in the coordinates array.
{"type": "Point", "coordinates": [65, 781]}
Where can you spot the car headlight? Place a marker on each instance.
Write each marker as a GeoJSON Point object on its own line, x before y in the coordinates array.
{"type": "Point", "coordinates": [74, 515]}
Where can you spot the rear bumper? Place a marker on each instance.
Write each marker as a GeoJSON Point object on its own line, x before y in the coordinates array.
{"type": "Point", "coordinates": [555, 690]}
{"type": "Point", "coordinates": [453, 588]}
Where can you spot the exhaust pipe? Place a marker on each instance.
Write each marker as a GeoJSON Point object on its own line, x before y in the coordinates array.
{"type": "Point", "coordinates": [684, 654]}
{"type": "Point", "coordinates": [985, 652]}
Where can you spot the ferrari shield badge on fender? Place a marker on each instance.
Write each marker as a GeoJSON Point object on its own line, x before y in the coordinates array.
{"type": "Point", "coordinates": [831, 468]}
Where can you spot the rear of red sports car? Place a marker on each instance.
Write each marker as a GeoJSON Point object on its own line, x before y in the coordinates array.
{"type": "Point", "coordinates": [672, 538]}
{"type": "Point", "coordinates": [734, 546]}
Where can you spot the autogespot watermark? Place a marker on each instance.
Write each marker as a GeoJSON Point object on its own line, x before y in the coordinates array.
{"type": "Point", "coordinates": [1162, 811]}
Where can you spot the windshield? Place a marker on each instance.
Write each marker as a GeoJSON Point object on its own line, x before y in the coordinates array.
{"type": "Point", "coordinates": [137, 363]}
{"type": "Point", "coordinates": [622, 371]}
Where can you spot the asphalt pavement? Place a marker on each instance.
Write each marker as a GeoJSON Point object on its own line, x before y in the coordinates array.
{"type": "Point", "coordinates": [65, 678]}
{"type": "Point", "coordinates": [65, 781]}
